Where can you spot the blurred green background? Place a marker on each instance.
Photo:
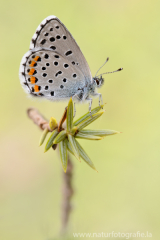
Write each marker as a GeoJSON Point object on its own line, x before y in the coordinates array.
{"type": "Point", "coordinates": [125, 195]}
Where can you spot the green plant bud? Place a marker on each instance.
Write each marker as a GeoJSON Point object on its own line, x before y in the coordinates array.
{"type": "Point", "coordinates": [43, 136]}
{"type": "Point", "coordinates": [73, 145]}
{"type": "Point", "coordinates": [85, 116]}
{"type": "Point", "coordinates": [84, 156]}
{"type": "Point", "coordinates": [100, 133]}
{"type": "Point", "coordinates": [63, 154]}
{"type": "Point", "coordinates": [51, 139]}
{"type": "Point", "coordinates": [87, 136]}
{"type": "Point", "coordinates": [89, 120]}
{"type": "Point", "coordinates": [70, 115]}
{"type": "Point", "coordinates": [60, 137]}
{"type": "Point", "coordinates": [53, 123]}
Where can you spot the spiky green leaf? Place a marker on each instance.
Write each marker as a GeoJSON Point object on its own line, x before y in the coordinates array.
{"type": "Point", "coordinates": [69, 148]}
{"type": "Point", "coordinates": [84, 156]}
{"type": "Point", "coordinates": [43, 136]}
{"type": "Point", "coordinates": [51, 139]}
{"type": "Point", "coordinates": [70, 115]}
{"type": "Point", "coordinates": [85, 116]}
{"type": "Point", "coordinates": [63, 154]}
{"type": "Point", "coordinates": [87, 136]}
{"type": "Point", "coordinates": [100, 133]}
{"type": "Point", "coordinates": [73, 145]}
{"type": "Point", "coordinates": [89, 120]}
{"type": "Point", "coordinates": [60, 137]}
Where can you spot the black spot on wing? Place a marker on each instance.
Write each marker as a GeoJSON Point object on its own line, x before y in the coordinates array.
{"type": "Point", "coordinates": [33, 40]}
{"type": "Point", "coordinates": [68, 53]}
{"type": "Point", "coordinates": [43, 41]}
{"type": "Point", "coordinates": [59, 72]}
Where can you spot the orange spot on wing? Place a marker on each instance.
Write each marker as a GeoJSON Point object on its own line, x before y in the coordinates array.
{"type": "Point", "coordinates": [36, 58]}
{"type": "Point", "coordinates": [32, 70]}
{"type": "Point", "coordinates": [32, 64]}
{"type": "Point", "coordinates": [32, 80]}
{"type": "Point", "coordinates": [36, 88]}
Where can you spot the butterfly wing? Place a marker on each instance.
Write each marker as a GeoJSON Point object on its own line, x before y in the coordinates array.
{"type": "Point", "coordinates": [46, 73]}
{"type": "Point", "coordinates": [52, 34]}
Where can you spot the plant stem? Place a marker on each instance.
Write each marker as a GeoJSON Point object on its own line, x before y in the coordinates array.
{"type": "Point", "coordinates": [67, 193]}
{"type": "Point", "coordinates": [67, 189]}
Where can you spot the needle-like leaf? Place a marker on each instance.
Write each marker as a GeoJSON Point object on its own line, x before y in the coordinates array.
{"type": "Point", "coordinates": [43, 136]}
{"type": "Point", "coordinates": [84, 156]}
{"type": "Point", "coordinates": [89, 120]}
{"type": "Point", "coordinates": [73, 145]}
{"type": "Point", "coordinates": [70, 150]}
{"type": "Point", "coordinates": [60, 137]}
{"type": "Point", "coordinates": [63, 154]}
{"type": "Point", "coordinates": [85, 116]}
{"type": "Point", "coordinates": [87, 136]}
{"type": "Point", "coordinates": [100, 133]}
{"type": "Point", "coordinates": [70, 115]}
{"type": "Point", "coordinates": [51, 139]}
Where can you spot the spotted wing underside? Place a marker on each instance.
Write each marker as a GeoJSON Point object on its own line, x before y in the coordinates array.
{"type": "Point", "coordinates": [47, 73]}
{"type": "Point", "coordinates": [52, 34]}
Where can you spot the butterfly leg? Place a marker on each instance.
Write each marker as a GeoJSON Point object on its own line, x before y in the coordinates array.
{"type": "Point", "coordinates": [90, 104]}
{"type": "Point", "coordinates": [100, 98]}
{"type": "Point", "coordinates": [76, 96]}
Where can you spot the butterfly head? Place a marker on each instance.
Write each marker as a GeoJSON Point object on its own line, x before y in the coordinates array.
{"type": "Point", "coordinates": [98, 81]}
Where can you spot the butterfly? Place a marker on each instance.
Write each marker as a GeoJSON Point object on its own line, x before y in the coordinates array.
{"type": "Point", "coordinates": [54, 68]}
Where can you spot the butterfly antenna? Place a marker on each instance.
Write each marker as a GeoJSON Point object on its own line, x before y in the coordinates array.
{"type": "Point", "coordinates": [102, 66]}
{"type": "Point", "coordinates": [120, 69]}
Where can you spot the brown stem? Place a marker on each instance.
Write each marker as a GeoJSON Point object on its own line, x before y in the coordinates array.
{"type": "Point", "coordinates": [67, 190]}
{"type": "Point", "coordinates": [62, 120]}
{"type": "Point", "coordinates": [38, 119]}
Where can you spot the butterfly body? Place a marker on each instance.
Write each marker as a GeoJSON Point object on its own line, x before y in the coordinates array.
{"type": "Point", "coordinates": [55, 68]}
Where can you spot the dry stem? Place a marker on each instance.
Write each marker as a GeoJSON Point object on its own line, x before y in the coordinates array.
{"type": "Point", "coordinates": [67, 190]}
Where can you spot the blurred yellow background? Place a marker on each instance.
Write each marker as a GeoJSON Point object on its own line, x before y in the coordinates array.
{"type": "Point", "coordinates": [125, 195]}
